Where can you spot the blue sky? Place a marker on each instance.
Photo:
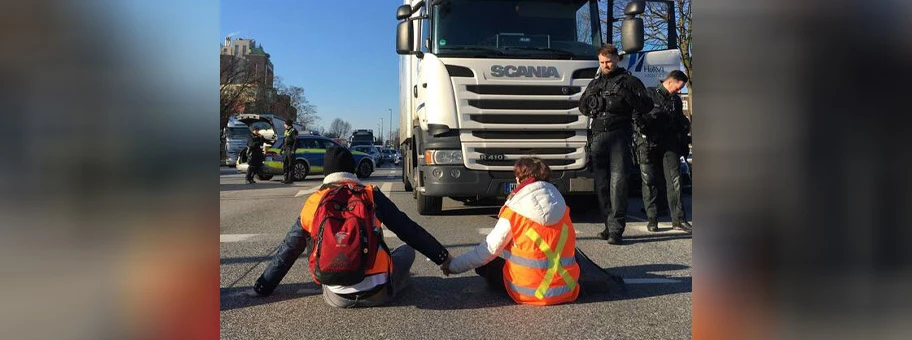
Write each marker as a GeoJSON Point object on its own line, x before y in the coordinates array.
{"type": "Point", "coordinates": [342, 52]}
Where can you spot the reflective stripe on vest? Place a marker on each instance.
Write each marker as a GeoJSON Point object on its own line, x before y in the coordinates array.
{"type": "Point", "coordinates": [540, 266]}
{"type": "Point", "coordinates": [554, 264]}
{"type": "Point", "coordinates": [535, 263]}
{"type": "Point", "coordinates": [550, 292]}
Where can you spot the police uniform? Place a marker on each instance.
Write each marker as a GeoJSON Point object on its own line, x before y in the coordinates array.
{"type": "Point", "coordinates": [661, 139]}
{"type": "Point", "coordinates": [288, 153]}
{"type": "Point", "coordinates": [612, 100]}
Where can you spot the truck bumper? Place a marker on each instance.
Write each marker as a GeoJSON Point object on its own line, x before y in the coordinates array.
{"type": "Point", "coordinates": [458, 181]}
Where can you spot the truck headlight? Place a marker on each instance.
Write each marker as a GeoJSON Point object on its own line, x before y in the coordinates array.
{"type": "Point", "coordinates": [442, 157]}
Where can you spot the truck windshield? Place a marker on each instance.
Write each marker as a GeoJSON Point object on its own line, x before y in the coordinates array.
{"type": "Point", "coordinates": [516, 29]}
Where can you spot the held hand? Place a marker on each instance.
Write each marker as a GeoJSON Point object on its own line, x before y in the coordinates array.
{"type": "Point", "coordinates": [445, 266]}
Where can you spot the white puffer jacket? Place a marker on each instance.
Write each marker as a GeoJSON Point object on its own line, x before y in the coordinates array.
{"type": "Point", "coordinates": [540, 202]}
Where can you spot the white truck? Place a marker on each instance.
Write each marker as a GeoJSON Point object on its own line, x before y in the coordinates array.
{"type": "Point", "coordinates": [483, 83]}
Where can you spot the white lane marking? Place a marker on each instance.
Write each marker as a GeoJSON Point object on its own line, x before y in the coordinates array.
{"type": "Point", "coordinates": [306, 191]}
{"type": "Point", "coordinates": [227, 238]}
{"type": "Point", "coordinates": [649, 281]}
{"type": "Point", "coordinates": [386, 187]}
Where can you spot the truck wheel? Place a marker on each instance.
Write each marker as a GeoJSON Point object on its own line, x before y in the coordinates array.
{"type": "Point", "coordinates": [301, 170]}
{"type": "Point", "coordinates": [405, 180]}
{"type": "Point", "coordinates": [264, 177]}
{"type": "Point", "coordinates": [428, 205]}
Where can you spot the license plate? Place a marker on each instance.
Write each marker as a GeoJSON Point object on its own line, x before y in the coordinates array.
{"type": "Point", "coordinates": [492, 157]}
{"type": "Point", "coordinates": [508, 187]}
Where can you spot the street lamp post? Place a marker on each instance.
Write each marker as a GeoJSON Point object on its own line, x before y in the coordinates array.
{"type": "Point", "coordinates": [391, 128]}
{"type": "Point", "coordinates": [381, 127]}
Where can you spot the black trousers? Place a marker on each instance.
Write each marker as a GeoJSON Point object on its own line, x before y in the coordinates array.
{"type": "Point", "coordinates": [253, 170]}
{"type": "Point", "coordinates": [611, 159]}
{"type": "Point", "coordinates": [288, 164]}
{"type": "Point", "coordinates": [669, 162]}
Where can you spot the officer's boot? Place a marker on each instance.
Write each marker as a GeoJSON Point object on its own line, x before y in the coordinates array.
{"type": "Point", "coordinates": [683, 225]}
{"type": "Point", "coordinates": [652, 225]}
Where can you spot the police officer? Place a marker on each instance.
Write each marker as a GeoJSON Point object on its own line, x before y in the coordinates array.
{"type": "Point", "coordinates": [661, 140]}
{"type": "Point", "coordinates": [612, 100]}
{"type": "Point", "coordinates": [255, 156]}
{"type": "Point", "coordinates": [288, 151]}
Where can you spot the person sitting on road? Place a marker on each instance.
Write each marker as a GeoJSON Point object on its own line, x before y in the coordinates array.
{"type": "Point", "coordinates": [345, 202]}
{"type": "Point", "coordinates": [530, 252]}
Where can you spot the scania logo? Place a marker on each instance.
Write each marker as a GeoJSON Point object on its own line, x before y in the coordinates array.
{"type": "Point", "coordinates": [511, 71]}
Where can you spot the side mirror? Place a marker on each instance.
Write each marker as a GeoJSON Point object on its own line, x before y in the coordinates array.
{"type": "Point", "coordinates": [404, 37]}
{"type": "Point", "coordinates": [403, 12]}
{"type": "Point", "coordinates": [635, 8]}
{"type": "Point", "coordinates": [632, 34]}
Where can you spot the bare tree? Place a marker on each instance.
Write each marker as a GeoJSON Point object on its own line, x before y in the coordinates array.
{"type": "Point", "coordinates": [338, 129]}
{"type": "Point", "coordinates": [655, 22]}
{"type": "Point", "coordinates": [307, 112]}
{"type": "Point", "coordinates": [233, 88]}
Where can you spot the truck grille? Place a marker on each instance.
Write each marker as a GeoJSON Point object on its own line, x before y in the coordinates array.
{"type": "Point", "coordinates": [524, 90]}
{"type": "Point", "coordinates": [488, 134]}
{"type": "Point", "coordinates": [510, 120]}
{"type": "Point", "coordinates": [529, 151]}
{"type": "Point", "coordinates": [509, 163]}
{"type": "Point", "coordinates": [523, 119]}
{"type": "Point", "coordinates": [523, 104]}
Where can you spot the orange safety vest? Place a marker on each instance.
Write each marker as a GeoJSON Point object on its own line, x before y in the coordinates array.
{"type": "Point", "coordinates": [541, 268]}
{"type": "Point", "coordinates": [381, 264]}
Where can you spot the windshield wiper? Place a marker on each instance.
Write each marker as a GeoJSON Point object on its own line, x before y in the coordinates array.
{"type": "Point", "coordinates": [477, 48]}
{"type": "Point", "coordinates": [547, 49]}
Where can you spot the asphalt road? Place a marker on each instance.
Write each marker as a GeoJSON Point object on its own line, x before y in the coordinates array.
{"type": "Point", "coordinates": [254, 219]}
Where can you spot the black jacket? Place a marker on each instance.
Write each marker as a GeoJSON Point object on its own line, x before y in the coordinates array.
{"type": "Point", "coordinates": [255, 156]}
{"type": "Point", "coordinates": [290, 136]}
{"type": "Point", "coordinates": [627, 96]}
{"type": "Point", "coordinates": [297, 241]}
{"type": "Point", "coordinates": [665, 125]}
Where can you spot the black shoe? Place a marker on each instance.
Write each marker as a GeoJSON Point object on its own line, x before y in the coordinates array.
{"type": "Point", "coordinates": [604, 234]}
{"type": "Point", "coordinates": [652, 226]}
{"type": "Point", "coordinates": [683, 226]}
{"type": "Point", "coordinates": [251, 182]}
{"type": "Point", "coordinates": [287, 182]}
{"type": "Point", "coordinates": [615, 238]}
{"type": "Point", "coordinates": [261, 288]}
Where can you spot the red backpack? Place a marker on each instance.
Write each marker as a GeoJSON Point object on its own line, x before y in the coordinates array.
{"type": "Point", "coordinates": [345, 238]}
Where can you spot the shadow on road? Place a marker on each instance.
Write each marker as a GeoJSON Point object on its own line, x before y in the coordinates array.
{"type": "Point", "coordinates": [646, 271]}
{"type": "Point", "coordinates": [471, 291]}
{"type": "Point", "coordinates": [260, 184]}
{"type": "Point", "coordinates": [241, 297]}
{"type": "Point", "coordinates": [655, 237]}
{"type": "Point", "coordinates": [249, 259]}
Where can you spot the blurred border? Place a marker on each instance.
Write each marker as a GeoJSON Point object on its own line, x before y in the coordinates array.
{"type": "Point", "coordinates": [107, 193]}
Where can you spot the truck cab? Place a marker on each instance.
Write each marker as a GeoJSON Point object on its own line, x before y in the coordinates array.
{"type": "Point", "coordinates": [484, 83]}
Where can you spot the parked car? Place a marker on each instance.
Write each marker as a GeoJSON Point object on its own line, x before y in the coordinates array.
{"type": "Point", "coordinates": [309, 151]}
{"type": "Point", "coordinates": [390, 156]}
{"type": "Point", "coordinates": [371, 150]}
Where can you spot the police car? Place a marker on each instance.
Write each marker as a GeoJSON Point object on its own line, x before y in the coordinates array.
{"type": "Point", "coordinates": [309, 151]}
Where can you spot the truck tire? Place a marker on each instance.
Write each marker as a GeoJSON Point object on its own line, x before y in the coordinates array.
{"type": "Point", "coordinates": [405, 179]}
{"type": "Point", "coordinates": [428, 205]}
{"type": "Point", "coordinates": [264, 177]}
